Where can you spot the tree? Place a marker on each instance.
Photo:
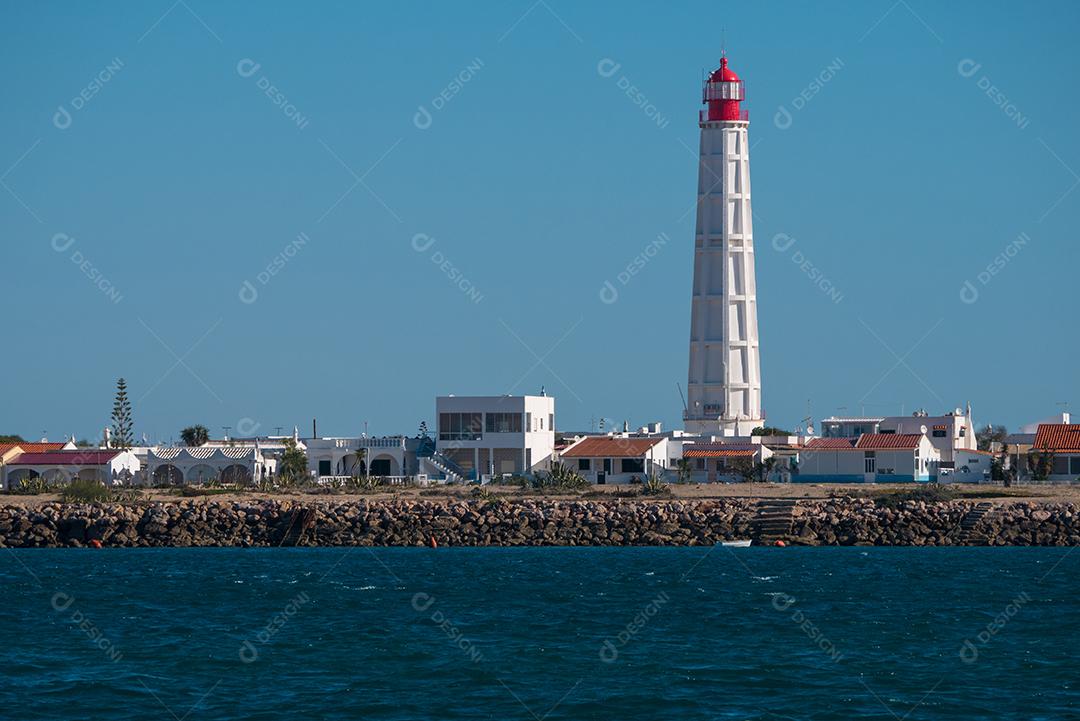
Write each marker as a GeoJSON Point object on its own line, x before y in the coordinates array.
{"type": "Point", "coordinates": [293, 466]}
{"type": "Point", "coordinates": [196, 435]}
{"type": "Point", "coordinates": [1041, 464]}
{"type": "Point", "coordinates": [769, 431]}
{"type": "Point", "coordinates": [83, 443]}
{"type": "Point", "coordinates": [683, 471]}
{"type": "Point", "coordinates": [990, 434]}
{"type": "Point", "coordinates": [765, 468]}
{"type": "Point", "coordinates": [744, 467]}
{"type": "Point", "coordinates": [361, 453]}
{"type": "Point", "coordinates": [13, 438]}
{"type": "Point", "coordinates": [121, 417]}
{"type": "Point", "coordinates": [423, 432]}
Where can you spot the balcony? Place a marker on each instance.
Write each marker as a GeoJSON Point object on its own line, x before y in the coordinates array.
{"type": "Point", "coordinates": [388, 442]}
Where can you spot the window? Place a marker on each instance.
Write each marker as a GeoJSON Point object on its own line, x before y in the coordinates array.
{"type": "Point", "coordinates": [633, 465]}
{"type": "Point", "coordinates": [607, 465]}
{"type": "Point", "coordinates": [888, 432]}
{"type": "Point", "coordinates": [963, 431]}
{"type": "Point", "coordinates": [528, 423]}
{"type": "Point", "coordinates": [701, 464]}
{"type": "Point", "coordinates": [551, 421]}
{"type": "Point", "coordinates": [324, 468]}
{"type": "Point", "coordinates": [503, 423]}
{"type": "Point", "coordinates": [1074, 465]}
{"type": "Point", "coordinates": [584, 464]}
{"type": "Point", "coordinates": [869, 462]}
{"type": "Point", "coordinates": [941, 433]}
{"type": "Point", "coordinates": [461, 426]}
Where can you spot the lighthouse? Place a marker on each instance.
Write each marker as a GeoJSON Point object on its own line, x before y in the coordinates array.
{"type": "Point", "coordinates": [724, 383]}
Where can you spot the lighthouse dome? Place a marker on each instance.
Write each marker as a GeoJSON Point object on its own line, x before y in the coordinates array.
{"type": "Point", "coordinates": [724, 74]}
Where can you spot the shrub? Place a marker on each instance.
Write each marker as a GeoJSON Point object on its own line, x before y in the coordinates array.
{"type": "Point", "coordinates": [30, 487]}
{"type": "Point", "coordinates": [928, 494]}
{"type": "Point", "coordinates": [559, 478]}
{"type": "Point", "coordinates": [364, 484]}
{"type": "Point", "coordinates": [654, 486]}
{"type": "Point", "coordinates": [190, 491]}
{"type": "Point", "coordinates": [85, 491]}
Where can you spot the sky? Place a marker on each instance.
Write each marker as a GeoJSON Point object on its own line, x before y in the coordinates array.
{"type": "Point", "coordinates": [260, 213]}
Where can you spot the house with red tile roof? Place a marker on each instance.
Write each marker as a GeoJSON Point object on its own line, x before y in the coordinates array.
{"type": "Point", "coordinates": [9, 451]}
{"type": "Point", "coordinates": [950, 433]}
{"type": "Point", "coordinates": [617, 458]}
{"type": "Point", "coordinates": [723, 462]}
{"type": "Point", "coordinates": [1062, 442]}
{"type": "Point", "coordinates": [869, 458]}
{"type": "Point", "coordinates": [59, 467]}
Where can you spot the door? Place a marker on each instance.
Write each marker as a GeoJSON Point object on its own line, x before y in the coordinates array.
{"type": "Point", "coordinates": [601, 478]}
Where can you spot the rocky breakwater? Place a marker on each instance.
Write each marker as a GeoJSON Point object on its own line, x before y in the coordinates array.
{"type": "Point", "coordinates": [521, 522]}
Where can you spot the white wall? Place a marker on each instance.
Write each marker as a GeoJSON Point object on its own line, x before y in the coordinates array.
{"type": "Point", "coordinates": [535, 442]}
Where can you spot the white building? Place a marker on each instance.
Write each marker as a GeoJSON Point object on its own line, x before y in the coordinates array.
{"type": "Point", "coordinates": [111, 467]}
{"type": "Point", "coordinates": [478, 436]}
{"type": "Point", "coordinates": [391, 456]}
{"type": "Point", "coordinates": [870, 458]}
{"type": "Point", "coordinates": [617, 458]}
{"type": "Point", "coordinates": [724, 383]}
{"type": "Point", "coordinates": [197, 465]}
{"type": "Point", "coordinates": [950, 433]}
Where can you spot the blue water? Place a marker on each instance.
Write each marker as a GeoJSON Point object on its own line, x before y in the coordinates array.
{"type": "Point", "coordinates": [540, 633]}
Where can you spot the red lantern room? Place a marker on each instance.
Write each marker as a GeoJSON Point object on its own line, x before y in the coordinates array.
{"type": "Point", "coordinates": [723, 92]}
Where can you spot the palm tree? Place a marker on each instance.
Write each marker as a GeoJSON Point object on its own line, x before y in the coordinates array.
{"type": "Point", "coordinates": [196, 435]}
{"type": "Point", "coordinates": [360, 454]}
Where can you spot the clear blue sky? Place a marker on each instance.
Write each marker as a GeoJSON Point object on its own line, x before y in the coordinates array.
{"type": "Point", "coordinates": [939, 135]}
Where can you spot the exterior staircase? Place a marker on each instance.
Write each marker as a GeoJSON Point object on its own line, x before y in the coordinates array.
{"type": "Point", "coordinates": [968, 535]}
{"type": "Point", "coordinates": [452, 471]}
{"type": "Point", "coordinates": [773, 520]}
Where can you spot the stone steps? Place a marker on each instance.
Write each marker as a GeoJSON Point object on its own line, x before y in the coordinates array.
{"type": "Point", "coordinates": [968, 535]}
{"type": "Point", "coordinates": [772, 519]}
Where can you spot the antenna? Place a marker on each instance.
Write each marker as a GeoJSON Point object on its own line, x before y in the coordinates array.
{"type": "Point", "coordinates": [277, 430]}
{"type": "Point", "coordinates": [226, 429]}
{"type": "Point", "coordinates": [723, 42]}
{"type": "Point", "coordinates": [685, 409]}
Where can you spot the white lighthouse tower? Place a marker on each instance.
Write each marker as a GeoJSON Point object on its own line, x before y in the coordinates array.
{"type": "Point", "coordinates": [724, 385]}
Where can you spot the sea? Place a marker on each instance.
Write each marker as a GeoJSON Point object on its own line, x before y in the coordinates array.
{"type": "Point", "coordinates": [540, 634]}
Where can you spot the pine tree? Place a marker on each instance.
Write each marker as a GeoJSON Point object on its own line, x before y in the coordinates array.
{"type": "Point", "coordinates": [121, 417]}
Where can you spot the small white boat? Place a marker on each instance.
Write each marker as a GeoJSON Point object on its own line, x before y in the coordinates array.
{"type": "Point", "coordinates": [735, 544]}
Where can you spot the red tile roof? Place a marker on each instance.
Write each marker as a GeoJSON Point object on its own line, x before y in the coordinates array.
{"type": "Point", "coordinates": [608, 447]}
{"type": "Point", "coordinates": [820, 444]}
{"type": "Point", "coordinates": [30, 447]}
{"type": "Point", "coordinates": [868, 442]}
{"type": "Point", "coordinates": [701, 450]}
{"type": "Point", "coordinates": [889, 441]}
{"type": "Point", "coordinates": [64, 458]}
{"type": "Point", "coordinates": [1058, 437]}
